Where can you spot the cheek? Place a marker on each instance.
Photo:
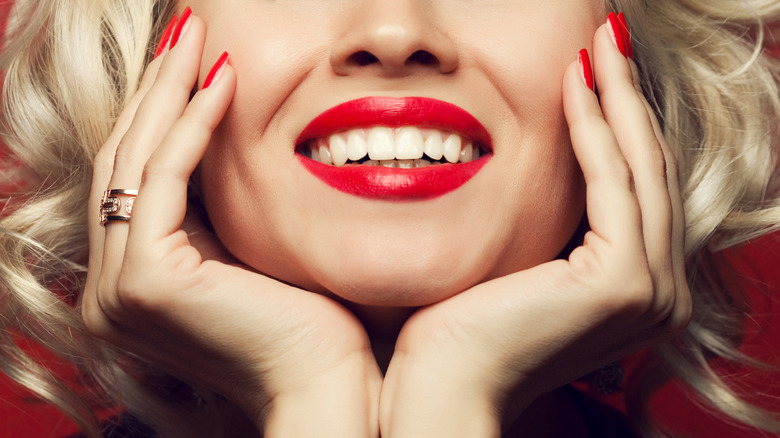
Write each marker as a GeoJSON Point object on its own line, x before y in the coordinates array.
{"type": "Point", "coordinates": [545, 203]}
{"type": "Point", "coordinates": [268, 67]}
{"type": "Point", "coordinates": [241, 187]}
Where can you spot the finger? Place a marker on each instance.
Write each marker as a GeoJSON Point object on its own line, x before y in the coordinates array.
{"type": "Point", "coordinates": [625, 111]}
{"type": "Point", "coordinates": [101, 174]}
{"type": "Point", "coordinates": [162, 105]}
{"type": "Point", "coordinates": [682, 297]}
{"type": "Point", "coordinates": [612, 209]}
{"type": "Point", "coordinates": [162, 200]}
{"type": "Point", "coordinates": [104, 160]}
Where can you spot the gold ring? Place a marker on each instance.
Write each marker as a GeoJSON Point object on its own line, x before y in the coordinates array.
{"type": "Point", "coordinates": [117, 205]}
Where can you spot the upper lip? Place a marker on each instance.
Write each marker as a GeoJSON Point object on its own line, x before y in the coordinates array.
{"type": "Point", "coordinates": [387, 111]}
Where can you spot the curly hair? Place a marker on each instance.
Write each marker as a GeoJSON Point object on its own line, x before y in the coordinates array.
{"type": "Point", "coordinates": [716, 95]}
{"type": "Point", "coordinates": [71, 66]}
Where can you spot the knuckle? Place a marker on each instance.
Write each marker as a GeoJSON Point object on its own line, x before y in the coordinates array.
{"type": "Point", "coordinates": [191, 120]}
{"type": "Point", "coordinates": [679, 317]}
{"type": "Point", "coordinates": [141, 295]}
{"type": "Point", "coordinates": [131, 294]}
{"type": "Point", "coordinates": [671, 163]}
{"type": "Point", "coordinates": [116, 300]}
{"type": "Point", "coordinates": [148, 78]}
{"type": "Point", "coordinates": [103, 163]}
{"type": "Point", "coordinates": [671, 314]}
{"type": "Point", "coordinates": [638, 296]}
{"type": "Point", "coordinates": [171, 83]}
{"type": "Point", "coordinates": [662, 310]}
{"type": "Point", "coordinates": [657, 161]}
{"type": "Point", "coordinates": [155, 168]}
{"type": "Point", "coordinates": [620, 174]}
{"type": "Point", "coordinates": [96, 321]}
{"type": "Point", "coordinates": [582, 125]}
{"type": "Point", "coordinates": [633, 299]}
{"type": "Point", "coordinates": [197, 123]}
{"type": "Point", "coordinates": [105, 301]}
{"type": "Point", "coordinates": [126, 154]}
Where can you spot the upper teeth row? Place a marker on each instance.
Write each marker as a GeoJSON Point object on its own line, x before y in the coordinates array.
{"type": "Point", "coordinates": [382, 143]}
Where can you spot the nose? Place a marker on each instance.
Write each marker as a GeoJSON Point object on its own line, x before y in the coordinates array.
{"type": "Point", "coordinates": [393, 38]}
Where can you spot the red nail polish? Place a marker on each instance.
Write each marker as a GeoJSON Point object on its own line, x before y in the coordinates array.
{"type": "Point", "coordinates": [626, 35]}
{"type": "Point", "coordinates": [585, 69]}
{"type": "Point", "coordinates": [216, 70]}
{"type": "Point", "coordinates": [183, 22]}
{"type": "Point", "coordinates": [166, 36]}
{"type": "Point", "coordinates": [616, 32]}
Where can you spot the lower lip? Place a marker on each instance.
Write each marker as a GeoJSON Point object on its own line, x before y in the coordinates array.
{"type": "Point", "coordinates": [391, 183]}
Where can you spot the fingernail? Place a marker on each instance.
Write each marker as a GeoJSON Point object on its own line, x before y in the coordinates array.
{"type": "Point", "coordinates": [585, 69]}
{"type": "Point", "coordinates": [216, 70]}
{"type": "Point", "coordinates": [181, 26]}
{"type": "Point", "coordinates": [626, 35]}
{"type": "Point", "coordinates": [166, 36]}
{"type": "Point", "coordinates": [616, 33]}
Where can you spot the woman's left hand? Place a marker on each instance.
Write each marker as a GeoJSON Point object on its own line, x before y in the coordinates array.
{"type": "Point", "coordinates": [458, 363]}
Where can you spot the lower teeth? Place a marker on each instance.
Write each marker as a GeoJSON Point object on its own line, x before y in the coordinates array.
{"type": "Point", "coordinates": [401, 164]}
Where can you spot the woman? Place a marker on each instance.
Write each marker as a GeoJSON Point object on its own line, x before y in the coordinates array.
{"type": "Point", "coordinates": [388, 212]}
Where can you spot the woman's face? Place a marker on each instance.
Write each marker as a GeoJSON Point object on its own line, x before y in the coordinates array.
{"type": "Point", "coordinates": [489, 71]}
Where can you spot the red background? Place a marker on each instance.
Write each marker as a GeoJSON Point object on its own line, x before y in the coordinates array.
{"type": "Point", "coordinates": [758, 270]}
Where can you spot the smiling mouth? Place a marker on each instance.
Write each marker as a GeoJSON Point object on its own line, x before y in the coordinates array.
{"type": "Point", "coordinates": [406, 147]}
{"type": "Point", "coordinates": [394, 148]}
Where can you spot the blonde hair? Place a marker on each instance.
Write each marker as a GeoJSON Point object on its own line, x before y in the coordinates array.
{"type": "Point", "coordinates": [71, 66]}
{"type": "Point", "coordinates": [717, 97]}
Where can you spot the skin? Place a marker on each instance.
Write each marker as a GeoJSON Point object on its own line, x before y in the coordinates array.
{"type": "Point", "coordinates": [394, 253]}
{"type": "Point", "coordinates": [300, 364]}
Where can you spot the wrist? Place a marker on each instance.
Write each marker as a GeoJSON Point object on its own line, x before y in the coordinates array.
{"type": "Point", "coordinates": [421, 399]}
{"type": "Point", "coordinates": [342, 401]}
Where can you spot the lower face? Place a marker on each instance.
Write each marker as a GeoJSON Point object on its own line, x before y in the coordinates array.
{"type": "Point", "coordinates": [501, 62]}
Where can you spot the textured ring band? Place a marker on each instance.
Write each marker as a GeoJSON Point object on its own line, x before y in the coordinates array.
{"type": "Point", "coordinates": [112, 209]}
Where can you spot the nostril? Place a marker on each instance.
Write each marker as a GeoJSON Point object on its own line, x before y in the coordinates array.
{"type": "Point", "coordinates": [362, 58]}
{"type": "Point", "coordinates": [422, 57]}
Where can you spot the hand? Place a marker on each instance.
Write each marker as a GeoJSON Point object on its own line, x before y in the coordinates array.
{"type": "Point", "coordinates": [179, 301]}
{"type": "Point", "coordinates": [459, 363]}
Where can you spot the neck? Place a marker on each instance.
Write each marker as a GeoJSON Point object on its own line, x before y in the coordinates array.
{"type": "Point", "coordinates": [382, 325]}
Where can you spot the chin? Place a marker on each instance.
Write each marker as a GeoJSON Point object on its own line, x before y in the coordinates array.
{"type": "Point", "coordinates": [408, 290]}
{"type": "Point", "coordinates": [396, 274]}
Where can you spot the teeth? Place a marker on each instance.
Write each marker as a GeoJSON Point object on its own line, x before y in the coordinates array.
{"type": "Point", "coordinates": [434, 146]}
{"type": "Point", "coordinates": [407, 147]}
{"type": "Point", "coordinates": [315, 153]}
{"type": "Point", "coordinates": [357, 147]}
{"type": "Point", "coordinates": [388, 163]}
{"type": "Point", "coordinates": [381, 144]}
{"type": "Point", "coordinates": [324, 152]}
{"type": "Point", "coordinates": [338, 150]}
{"type": "Point", "coordinates": [451, 148]}
{"type": "Point", "coordinates": [466, 152]}
{"type": "Point", "coordinates": [408, 144]}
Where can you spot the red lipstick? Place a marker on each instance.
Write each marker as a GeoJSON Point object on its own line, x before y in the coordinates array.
{"type": "Point", "coordinates": [394, 112]}
{"type": "Point", "coordinates": [396, 183]}
{"type": "Point", "coordinates": [382, 182]}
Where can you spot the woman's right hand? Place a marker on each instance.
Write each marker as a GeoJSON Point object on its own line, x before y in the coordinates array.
{"type": "Point", "coordinates": [297, 363]}
{"type": "Point", "coordinates": [480, 358]}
